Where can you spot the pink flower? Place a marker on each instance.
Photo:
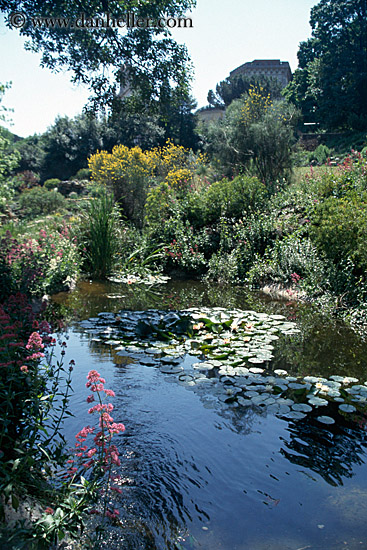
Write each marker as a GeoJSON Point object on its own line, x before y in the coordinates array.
{"type": "Point", "coordinates": [91, 452]}
{"type": "Point", "coordinates": [110, 393]}
{"type": "Point", "coordinates": [35, 341]}
{"type": "Point", "coordinates": [90, 398]}
{"type": "Point", "coordinates": [49, 510]}
{"type": "Point", "coordinates": [24, 368]}
{"type": "Point", "coordinates": [93, 376]}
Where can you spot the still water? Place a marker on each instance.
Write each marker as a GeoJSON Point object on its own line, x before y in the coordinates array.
{"type": "Point", "coordinates": [201, 474]}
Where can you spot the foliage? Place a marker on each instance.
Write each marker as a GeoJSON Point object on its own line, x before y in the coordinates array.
{"type": "Point", "coordinates": [233, 198]}
{"type": "Point", "coordinates": [67, 145]}
{"type": "Point", "coordinates": [339, 229]}
{"type": "Point", "coordinates": [186, 248]}
{"type": "Point", "coordinates": [321, 154]}
{"type": "Point", "coordinates": [290, 261]}
{"type": "Point", "coordinates": [255, 135]}
{"type": "Point", "coordinates": [47, 264]}
{"type": "Point", "coordinates": [158, 204]}
{"type": "Point", "coordinates": [172, 157]}
{"type": "Point", "coordinates": [143, 57]}
{"type": "Point", "coordinates": [233, 87]}
{"type": "Point", "coordinates": [9, 159]}
{"type": "Point", "coordinates": [127, 172]}
{"type": "Point", "coordinates": [330, 85]}
{"type": "Point", "coordinates": [31, 443]}
{"type": "Point", "coordinates": [38, 201]}
{"type": "Point", "coordinates": [51, 183]}
{"type": "Point", "coordinates": [25, 180]}
{"type": "Point", "coordinates": [82, 174]}
{"type": "Point", "coordinates": [31, 153]}
{"type": "Point", "coordinates": [130, 173]}
{"type": "Point", "coordinates": [98, 236]}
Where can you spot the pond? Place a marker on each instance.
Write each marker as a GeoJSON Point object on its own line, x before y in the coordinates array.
{"type": "Point", "coordinates": [207, 464]}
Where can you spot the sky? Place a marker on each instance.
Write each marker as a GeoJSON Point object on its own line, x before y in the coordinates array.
{"type": "Point", "coordinates": [224, 35]}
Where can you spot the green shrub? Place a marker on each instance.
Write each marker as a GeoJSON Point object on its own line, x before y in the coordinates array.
{"type": "Point", "coordinates": [38, 201]}
{"type": "Point", "coordinates": [51, 183]}
{"type": "Point", "coordinates": [25, 180]}
{"type": "Point", "coordinates": [158, 204]}
{"type": "Point", "coordinates": [291, 261]}
{"type": "Point", "coordinates": [185, 248]}
{"type": "Point", "coordinates": [233, 198]}
{"type": "Point", "coordinates": [321, 154]}
{"type": "Point", "coordinates": [339, 229]}
{"type": "Point", "coordinates": [82, 174]}
{"type": "Point", "coordinates": [224, 267]}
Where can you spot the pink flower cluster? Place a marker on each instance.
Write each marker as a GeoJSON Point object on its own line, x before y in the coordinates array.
{"type": "Point", "coordinates": [295, 278]}
{"type": "Point", "coordinates": [102, 452]}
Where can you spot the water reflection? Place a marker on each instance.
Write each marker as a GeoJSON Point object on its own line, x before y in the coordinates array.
{"type": "Point", "coordinates": [331, 452]}
{"type": "Point", "coordinates": [203, 474]}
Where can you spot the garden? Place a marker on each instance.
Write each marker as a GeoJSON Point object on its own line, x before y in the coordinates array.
{"type": "Point", "coordinates": [183, 304]}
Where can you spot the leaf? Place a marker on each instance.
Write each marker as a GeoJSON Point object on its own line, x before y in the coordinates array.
{"type": "Point", "coordinates": [14, 502]}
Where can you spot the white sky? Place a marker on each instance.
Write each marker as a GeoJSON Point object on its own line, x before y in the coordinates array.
{"type": "Point", "coordinates": [224, 36]}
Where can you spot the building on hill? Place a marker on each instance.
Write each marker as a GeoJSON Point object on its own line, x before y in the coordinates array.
{"type": "Point", "coordinates": [273, 68]}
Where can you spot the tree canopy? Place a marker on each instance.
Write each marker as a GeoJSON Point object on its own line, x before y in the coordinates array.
{"type": "Point", "coordinates": [106, 57]}
{"type": "Point", "coordinates": [330, 85]}
{"type": "Point", "coordinates": [255, 135]}
{"type": "Point", "coordinates": [234, 87]}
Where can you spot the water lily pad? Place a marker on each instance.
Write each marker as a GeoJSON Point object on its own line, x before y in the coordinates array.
{"type": "Point", "coordinates": [256, 370]}
{"type": "Point", "coordinates": [295, 415]}
{"type": "Point", "coordinates": [175, 369]}
{"type": "Point", "coordinates": [297, 386]}
{"type": "Point", "coordinates": [317, 402]}
{"type": "Point", "coordinates": [302, 407]}
{"type": "Point", "coordinates": [250, 394]}
{"type": "Point", "coordinates": [243, 402]}
{"type": "Point", "coordinates": [256, 360]}
{"type": "Point", "coordinates": [325, 419]}
{"type": "Point", "coordinates": [347, 408]}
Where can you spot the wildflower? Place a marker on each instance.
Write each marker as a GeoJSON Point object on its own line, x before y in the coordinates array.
{"type": "Point", "coordinates": [35, 341]}
{"type": "Point", "coordinates": [24, 368]}
{"type": "Point", "coordinates": [49, 510]}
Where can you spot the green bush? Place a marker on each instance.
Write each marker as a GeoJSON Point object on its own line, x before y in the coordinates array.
{"type": "Point", "coordinates": [38, 201]}
{"type": "Point", "coordinates": [291, 261]}
{"type": "Point", "coordinates": [51, 183]}
{"type": "Point", "coordinates": [158, 204]}
{"type": "Point", "coordinates": [339, 229]}
{"type": "Point", "coordinates": [233, 198]}
{"type": "Point", "coordinates": [82, 174]}
{"type": "Point", "coordinates": [321, 154]}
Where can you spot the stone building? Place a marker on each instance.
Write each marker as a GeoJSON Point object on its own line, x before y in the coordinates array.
{"type": "Point", "coordinates": [266, 67]}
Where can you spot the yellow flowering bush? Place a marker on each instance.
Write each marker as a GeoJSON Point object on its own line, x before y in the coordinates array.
{"type": "Point", "coordinates": [128, 172]}
{"type": "Point", "coordinates": [255, 105]}
{"type": "Point", "coordinates": [179, 180]}
{"type": "Point", "coordinates": [173, 157]}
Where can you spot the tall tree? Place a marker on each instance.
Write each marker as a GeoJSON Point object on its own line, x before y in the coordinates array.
{"type": "Point", "coordinates": [122, 51]}
{"type": "Point", "coordinates": [330, 85]}
{"type": "Point", "coordinates": [255, 135]}
{"type": "Point", "coordinates": [234, 87]}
